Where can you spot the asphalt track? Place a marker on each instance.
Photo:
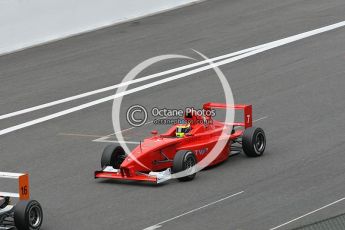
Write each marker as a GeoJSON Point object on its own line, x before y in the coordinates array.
{"type": "Point", "coordinates": [298, 89]}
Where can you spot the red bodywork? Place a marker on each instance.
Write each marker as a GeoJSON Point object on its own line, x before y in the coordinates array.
{"type": "Point", "coordinates": [156, 153]}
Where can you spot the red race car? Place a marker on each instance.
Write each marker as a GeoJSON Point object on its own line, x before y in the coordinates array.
{"type": "Point", "coordinates": [159, 157]}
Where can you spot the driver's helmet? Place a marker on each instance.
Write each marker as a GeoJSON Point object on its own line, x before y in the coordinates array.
{"type": "Point", "coordinates": [181, 130]}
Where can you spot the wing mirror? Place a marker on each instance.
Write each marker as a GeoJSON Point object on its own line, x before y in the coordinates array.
{"type": "Point", "coordinates": [154, 132]}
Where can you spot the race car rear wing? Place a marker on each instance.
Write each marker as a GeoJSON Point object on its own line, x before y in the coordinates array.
{"type": "Point", "coordinates": [247, 109]}
{"type": "Point", "coordinates": [23, 185]}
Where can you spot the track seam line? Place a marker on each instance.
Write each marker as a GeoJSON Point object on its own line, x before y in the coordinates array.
{"type": "Point", "coordinates": [158, 225]}
{"type": "Point", "coordinates": [307, 214]}
{"type": "Point", "coordinates": [104, 138]}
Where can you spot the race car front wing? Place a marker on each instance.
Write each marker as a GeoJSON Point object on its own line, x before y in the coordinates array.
{"type": "Point", "coordinates": [155, 177]}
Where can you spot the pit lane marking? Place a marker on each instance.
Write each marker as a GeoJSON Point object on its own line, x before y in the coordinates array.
{"type": "Point", "coordinates": [78, 135]}
{"type": "Point", "coordinates": [120, 142]}
{"type": "Point", "coordinates": [259, 49]}
{"type": "Point", "coordinates": [105, 89]}
{"type": "Point", "coordinates": [307, 214]}
{"type": "Point", "coordinates": [104, 138]}
{"type": "Point", "coordinates": [98, 140]}
{"type": "Point", "coordinates": [158, 225]}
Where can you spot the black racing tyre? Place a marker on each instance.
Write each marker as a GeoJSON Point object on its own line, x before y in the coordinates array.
{"type": "Point", "coordinates": [4, 201]}
{"type": "Point", "coordinates": [113, 155]}
{"type": "Point", "coordinates": [253, 142]}
{"type": "Point", "coordinates": [28, 215]}
{"type": "Point", "coordinates": [183, 160]}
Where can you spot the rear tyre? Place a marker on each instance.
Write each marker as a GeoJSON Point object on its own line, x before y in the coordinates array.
{"type": "Point", "coordinates": [4, 202]}
{"type": "Point", "coordinates": [28, 215]}
{"type": "Point", "coordinates": [113, 155]}
{"type": "Point", "coordinates": [253, 142]}
{"type": "Point", "coordinates": [184, 160]}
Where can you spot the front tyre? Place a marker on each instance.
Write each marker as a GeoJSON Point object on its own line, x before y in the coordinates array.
{"type": "Point", "coordinates": [28, 215]}
{"type": "Point", "coordinates": [113, 155]}
{"type": "Point", "coordinates": [184, 160]}
{"type": "Point", "coordinates": [253, 142]}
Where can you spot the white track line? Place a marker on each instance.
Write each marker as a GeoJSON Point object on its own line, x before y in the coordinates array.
{"type": "Point", "coordinates": [307, 214]}
{"type": "Point", "coordinates": [285, 40]}
{"type": "Point", "coordinates": [266, 47]}
{"type": "Point", "coordinates": [158, 225]}
{"type": "Point", "coordinates": [79, 96]}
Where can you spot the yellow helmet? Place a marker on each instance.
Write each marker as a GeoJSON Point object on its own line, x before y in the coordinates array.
{"type": "Point", "coordinates": [181, 130]}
